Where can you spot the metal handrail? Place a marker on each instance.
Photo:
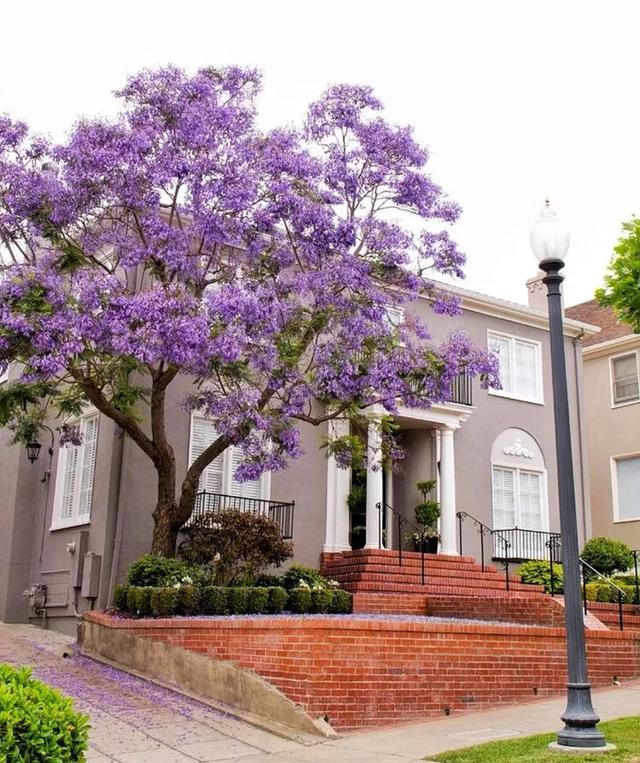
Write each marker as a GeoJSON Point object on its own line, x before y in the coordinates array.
{"type": "Point", "coordinates": [281, 512]}
{"type": "Point", "coordinates": [621, 594]}
{"type": "Point", "coordinates": [401, 520]}
{"type": "Point", "coordinates": [483, 530]}
{"type": "Point", "coordinates": [636, 554]}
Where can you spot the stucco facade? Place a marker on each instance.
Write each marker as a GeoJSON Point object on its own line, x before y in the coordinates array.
{"type": "Point", "coordinates": [613, 426]}
{"type": "Point", "coordinates": [120, 523]}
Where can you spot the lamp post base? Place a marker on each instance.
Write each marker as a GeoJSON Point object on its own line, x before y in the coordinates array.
{"type": "Point", "coordinates": [580, 720]}
{"type": "Point", "coordinates": [581, 750]}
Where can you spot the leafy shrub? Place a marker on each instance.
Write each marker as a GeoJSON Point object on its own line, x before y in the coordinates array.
{"type": "Point", "coordinates": [299, 600]}
{"type": "Point", "coordinates": [268, 581]}
{"type": "Point", "coordinates": [257, 600]}
{"type": "Point", "coordinates": [321, 599]}
{"type": "Point", "coordinates": [245, 543]}
{"type": "Point", "coordinates": [37, 723]}
{"type": "Point", "coordinates": [537, 572]}
{"type": "Point", "coordinates": [163, 601]}
{"type": "Point", "coordinates": [600, 591]}
{"type": "Point", "coordinates": [187, 600]}
{"type": "Point", "coordinates": [154, 570]}
{"type": "Point", "coordinates": [277, 600]}
{"type": "Point", "coordinates": [213, 600]}
{"type": "Point", "coordinates": [299, 574]}
{"type": "Point", "coordinates": [120, 598]}
{"type": "Point", "coordinates": [139, 601]}
{"type": "Point", "coordinates": [341, 602]}
{"type": "Point", "coordinates": [237, 598]}
{"type": "Point", "coordinates": [607, 555]}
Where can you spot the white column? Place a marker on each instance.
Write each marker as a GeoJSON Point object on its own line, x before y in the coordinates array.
{"type": "Point", "coordinates": [447, 493]}
{"type": "Point", "coordinates": [336, 536]}
{"type": "Point", "coordinates": [388, 543]}
{"type": "Point", "coordinates": [374, 486]}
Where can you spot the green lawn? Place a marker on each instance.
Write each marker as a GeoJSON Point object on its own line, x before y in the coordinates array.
{"type": "Point", "coordinates": [624, 733]}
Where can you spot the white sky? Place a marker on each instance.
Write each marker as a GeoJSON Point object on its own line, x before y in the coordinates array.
{"type": "Point", "coordinates": [516, 99]}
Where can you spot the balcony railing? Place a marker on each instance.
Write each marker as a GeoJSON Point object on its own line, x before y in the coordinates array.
{"type": "Point", "coordinates": [281, 512]}
{"type": "Point", "coordinates": [461, 390]}
{"type": "Point", "coordinates": [528, 544]}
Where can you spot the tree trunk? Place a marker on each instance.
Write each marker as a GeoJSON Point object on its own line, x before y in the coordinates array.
{"type": "Point", "coordinates": [165, 530]}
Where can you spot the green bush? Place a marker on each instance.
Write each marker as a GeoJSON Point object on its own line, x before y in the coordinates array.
{"type": "Point", "coordinates": [213, 600]}
{"type": "Point", "coordinates": [130, 606]}
{"type": "Point", "coordinates": [187, 600]}
{"type": "Point", "coordinates": [277, 600]}
{"type": "Point", "coordinates": [37, 723]}
{"type": "Point", "coordinates": [257, 600]}
{"type": "Point", "coordinates": [537, 572]}
{"type": "Point", "coordinates": [139, 601]}
{"type": "Point", "coordinates": [299, 600]}
{"type": "Point", "coordinates": [163, 601]}
{"type": "Point", "coordinates": [120, 598]}
{"type": "Point", "coordinates": [321, 599]}
{"type": "Point", "coordinates": [607, 555]}
{"type": "Point", "coordinates": [154, 570]}
{"type": "Point", "coordinates": [341, 602]}
{"type": "Point", "coordinates": [268, 581]}
{"type": "Point", "coordinates": [299, 573]}
{"type": "Point", "coordinates": [237, 598]}
{"type": "Point", "coordinates": [600, 591]}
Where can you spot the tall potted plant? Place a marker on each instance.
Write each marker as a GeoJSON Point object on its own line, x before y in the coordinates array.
{"type": "Point", "coordinates": [427, 513]}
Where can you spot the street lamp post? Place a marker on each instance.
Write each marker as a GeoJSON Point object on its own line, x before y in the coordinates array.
{"type": "Point", "coordinates": [550, 241]}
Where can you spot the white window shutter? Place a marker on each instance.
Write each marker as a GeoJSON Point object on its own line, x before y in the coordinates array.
{"type": "Point", "coordinates": [248, 489]}
{"type": "Point", "coordinates": [88, 448]}
{"type": "Point", "coordinates": [202, 435]}
{"type": "Point", "coordinates": [503, 495]}
{"type": "Point", "coordinates": [72, 459]}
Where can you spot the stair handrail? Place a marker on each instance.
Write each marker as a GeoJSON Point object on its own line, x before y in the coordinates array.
{"type": "Point", "coordinates": [621, 593]}
{"type": "Point", "coordinates": [483, 530]}
{"type": "Point", "coordinates": [636, 554]}
{"type": "Point", "coordinates": [401, 520]}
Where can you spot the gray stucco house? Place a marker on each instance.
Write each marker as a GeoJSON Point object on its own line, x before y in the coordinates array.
{"type": "Point", "coordinates": [492, 452]}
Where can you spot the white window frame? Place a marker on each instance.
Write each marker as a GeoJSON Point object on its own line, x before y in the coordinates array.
{"type": "Point", "coordinates": [544, 494]}
{"type": "Point", "coordinates": [227, 474]}
{"type": "Point", "coordinates": [58, 522]}
{"type": "Point", "coordinates": [537, 345]}
{"type": "Point", "coordinates": [613, 461]}
{"type": "Point", "coordinates": [624, 403]}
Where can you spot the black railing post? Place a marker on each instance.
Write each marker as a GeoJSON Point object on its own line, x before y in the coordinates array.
{"type": "Point", "coordinates": [399, 539]}
{"type": "Point", "coordinates": [620, 612]}
{"type": "Point", "coordinates": [551, 575]}
{"type": "Point", "coordinates": [506, 563]}
{"type": "Point", "coordinates": [459, 518]}
{"type": "Point", "coordinates": [584, 589]}
{"type": "Point", "coordinates": [482, 534]}
{"type": "Point", "coordinates": [635, 566]}
{"type": "Point", "coordinates": [422, 550]}
{"type": "Point", "coordinates": [379, 507]}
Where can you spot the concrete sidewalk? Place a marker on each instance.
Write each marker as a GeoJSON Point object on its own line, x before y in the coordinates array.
{"type": "Point", "coordinates": [134, 721]}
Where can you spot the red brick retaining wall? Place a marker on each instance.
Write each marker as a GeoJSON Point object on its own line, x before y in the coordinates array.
{"type": "Point", "coordinates": [362, 672]}
{"type": "Point", "coordinates": [534, 609]}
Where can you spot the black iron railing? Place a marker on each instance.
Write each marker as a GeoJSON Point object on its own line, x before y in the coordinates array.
{"type": "Point", "coordinates": [589, 572]}
{"type": "Point", "coordinates": [636, 556]}
{"type": "Point", "coordinates": [497, 538]}
{"type": "Point", "coordinates": [406, 533]}
{"type": "Point", "coordinates": [461, 390]}
{"type": "Point", "coordinates": [281, 512]}
{"type": "Point", "coordinates": [529, 544]}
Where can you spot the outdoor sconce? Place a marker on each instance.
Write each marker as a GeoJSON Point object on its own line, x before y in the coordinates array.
{"type": "Point", "coordinates": [33, 450]}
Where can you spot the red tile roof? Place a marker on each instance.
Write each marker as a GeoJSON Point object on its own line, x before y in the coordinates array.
{"type": "Point", "coordinates": [605, 317]}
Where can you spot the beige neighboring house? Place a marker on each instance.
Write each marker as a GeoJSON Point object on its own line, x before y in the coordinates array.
{"type": "Point", "coordinates": [611, 368]}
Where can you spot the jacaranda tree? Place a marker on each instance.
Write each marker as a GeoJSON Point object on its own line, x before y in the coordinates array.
{"type": "Point", "coordinates": [179, 240]}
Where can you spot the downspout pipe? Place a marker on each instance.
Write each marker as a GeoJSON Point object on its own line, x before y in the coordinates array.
{"type": "Point", "coordinates": [582, 449]}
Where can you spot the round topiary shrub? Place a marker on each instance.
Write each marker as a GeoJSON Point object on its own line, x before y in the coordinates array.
{"type": "Point", "coordinates": [237, 598]}
{"type": "Point", "coordinates": [213, 600]}
{"type": "Point", "coordinates": [321, 599]}
{"type": "Point", "coordinates": [607, 555]}
{"type": "Point", "coordinates": [187, 600]}
{"type": "Point", "coordinates": [154, 570]}
{"type": "Point", "coordinates": [537, 572]}
{"type": "Point", "coordinates": [120, 598]}
{"type": "Point", "coordinates": [37, 723]}
{"type": "Point", "coordinates": [299, 600]}
{"type": "Point", "coordinates": [163, 601]}
{"type": "Point", "coordinates": [257, 600]}
{"type": "Point", "coordinates": [277, 600]}
{"type": "Point", "coordinates": [341, 602]}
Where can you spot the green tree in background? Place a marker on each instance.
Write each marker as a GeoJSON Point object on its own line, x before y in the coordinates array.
{"type": "Point", "coordinates": [622, 281]}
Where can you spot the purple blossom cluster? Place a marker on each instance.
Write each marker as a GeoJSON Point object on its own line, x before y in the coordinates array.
{"type": "Point", "coordinates": [180, 239]}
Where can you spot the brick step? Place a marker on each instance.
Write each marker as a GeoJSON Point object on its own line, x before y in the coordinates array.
{"type": "Point", "coordinates": [409, 559]}
{"type": "Point", "coordinates": [384, 582]}
{"type": "Point", "coordinates": [383, 552]}
{"type": "Point", "coordinates": [393, 571]}
{"type": "Point", "coordinates": [605, 606]}
{"type": "Point", "coordinates": [611, 619]}
{"type": "Point", "coordinates": [451, 588]}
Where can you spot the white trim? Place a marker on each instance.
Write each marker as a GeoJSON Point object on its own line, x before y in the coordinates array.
{"type": "Point", "coordinates": [227, 476]}
{"type": "Point", "coordinates": [75, 520]}
{"type": "Point", "coordinates": [539, 399]}
{"type": "Point", "coordinates": [612, 379]}
{"type": "Point", "coordinates": [511, 311]}
{"type": "Point", "coordinates": [602, 348]}
{"type": "Point", "coordinates": [613, 460]}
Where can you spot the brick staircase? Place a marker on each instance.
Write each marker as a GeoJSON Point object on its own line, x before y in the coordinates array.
{"type": "Point", "coordinates": [454, 586]}
{"type": "Point", "coordinates": [609, 615]}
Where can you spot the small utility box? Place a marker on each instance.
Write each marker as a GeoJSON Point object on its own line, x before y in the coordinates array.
{"type": "Point", "coordinates": [91, 576]}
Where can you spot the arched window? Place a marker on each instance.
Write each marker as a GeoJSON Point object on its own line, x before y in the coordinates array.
{"type": "Point", "coordinates": [518, 482]}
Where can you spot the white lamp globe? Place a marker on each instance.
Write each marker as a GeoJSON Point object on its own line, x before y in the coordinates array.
{"type": "Point", "coordinates": [549, 238]}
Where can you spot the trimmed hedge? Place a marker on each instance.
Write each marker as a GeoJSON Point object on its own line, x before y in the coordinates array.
{"type": "Point", "coordinates": [145, 601]}
{"type": "Point", "coordinates": [600, 591]}
{"type": "Point", "coordinates": [37, 723]}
